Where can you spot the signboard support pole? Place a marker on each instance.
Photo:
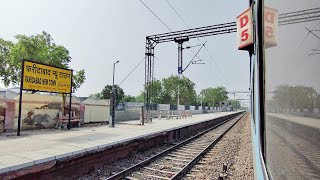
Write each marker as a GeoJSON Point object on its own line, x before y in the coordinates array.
{"type": "Point", "coordinates": [69, 120]}
{"type": "Point", "coordinates": [20, 99]}
{"type": "Point", "coordinates": [70, 103]}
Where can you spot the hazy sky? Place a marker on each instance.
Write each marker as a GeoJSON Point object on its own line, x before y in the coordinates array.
{"type": "Point", "coordinates": [99, 32]}
{"type": "Point", "coordinates": [291, 62]}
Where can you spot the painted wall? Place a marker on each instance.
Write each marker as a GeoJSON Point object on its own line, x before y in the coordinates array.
{"type": "Point", "coordinates": [96, 110]}
{"type": "Point", "coordinates": [135, 115]}
{"type": "Point", "coordinates": [40, 111]}
{"type": "Point", "coordinates": [3, 108]}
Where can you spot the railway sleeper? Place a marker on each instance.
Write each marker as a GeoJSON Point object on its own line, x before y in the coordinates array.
{"type": "Point", "coordinates": [174, 159]}
{"type": "Point", "coordinates": [143, 176]}
{"type": "Point", "coordinates": [177, 156]}
{"type": "Point", "coordinates": [160, 170]}
{"type": "Point", "coordinates": [184, 153]}
{"type": "Point", "coordinates": [163, 167]}
{"type": "Point", "coordinates": [161, 173]}
{"type": "Point", "coordinates": [194, 149]}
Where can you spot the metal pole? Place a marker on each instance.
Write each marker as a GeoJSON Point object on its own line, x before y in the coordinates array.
{"type": "Point", "coordinates": [70, 103]}
{"type": "Point", "coordinates": [142, 115]}
{"type": "Point", "coordinates": [114, 65]}
{"type": "Point", "coordinates": [69, 120]}
{"type": "Point", "coordinates": [111, 109]}
{"type": "Point", "coordinates": [112, 94]}
{"type": "Point", "coordinates": [112, 124]}
{"type": "Point", "coordinates": [20, 100]}
{"type": "Point", "coordinates": [178, 99]}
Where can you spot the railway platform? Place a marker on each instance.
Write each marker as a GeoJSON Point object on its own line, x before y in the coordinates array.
{"type": "Point", "coordinates": [33, 153]}
{"type": "Point", "coordinates": [311, 122]}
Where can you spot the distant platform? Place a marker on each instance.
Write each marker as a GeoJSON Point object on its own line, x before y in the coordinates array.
{"type": "Point", "coordinates": [297, 119]}
{"type": "Point", "coordinates": [33, 149]}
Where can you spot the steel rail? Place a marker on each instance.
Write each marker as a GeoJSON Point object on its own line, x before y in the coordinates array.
{"type": "Point", "coordinates": [135, 167]}
{"type": "Point", "coordinates": [312, 165]}
{"type": "Point", "coordinates": [190, 165]}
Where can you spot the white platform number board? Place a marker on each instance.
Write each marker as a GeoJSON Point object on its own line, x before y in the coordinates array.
{"type": "Point", "coordinates": [245, 29]}
{"type": "Point", "coordinates": [270, 27]}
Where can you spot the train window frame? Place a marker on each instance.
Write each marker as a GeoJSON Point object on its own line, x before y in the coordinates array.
{"type": "Point", "coordinates": [259, 91]}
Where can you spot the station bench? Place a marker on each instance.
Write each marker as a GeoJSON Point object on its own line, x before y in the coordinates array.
{"type": "Point", "coordinates": [177, 114]}
{"type": "Point", "coordinates": [64, 120]}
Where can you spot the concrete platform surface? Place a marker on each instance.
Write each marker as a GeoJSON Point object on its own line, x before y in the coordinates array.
{"type": "Point", "coordinates": [27, 150]}
{"type": "Point", "coordinates": [297, 119]}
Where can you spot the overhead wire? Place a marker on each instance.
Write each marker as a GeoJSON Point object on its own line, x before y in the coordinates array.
{"type": "Point", "coordinates": [144, 58]}
{"type": "Point", "coordinates": [183, 22]}
{"type": "Point", "coordinates": [131, 71]}
{"type": "Point", "coordinates": [154, 14]}
{"type": "Point", "coordinates": [221, 78]}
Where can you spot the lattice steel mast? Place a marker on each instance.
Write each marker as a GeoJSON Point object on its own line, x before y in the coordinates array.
{"type": "Point", "coordinates": [184, 35]}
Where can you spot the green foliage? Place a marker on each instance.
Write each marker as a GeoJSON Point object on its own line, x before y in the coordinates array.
{"type": "Point", "coordinates": [78, 78]}
{"type": "Point", "coordinates": [166, 91]}
{"type": "Point", "coordinates": [235, 104]}
{"type": "Point", "coordinates": [187, 93]}
{"type": "Point", "coordinates": [128, 98]}
{"type": "Point", "coordinates": [294, 97]}
{"type": "Point", "coordinates": [140, 97]}
{"type": "Point", "coordinates": [107, 90]}
{"type": "Point", "coordinates": [95, 96]}
{"type": "Point", "coordinates": [39, 48]}
{"type": "Point", "coordinates": [213, 96]}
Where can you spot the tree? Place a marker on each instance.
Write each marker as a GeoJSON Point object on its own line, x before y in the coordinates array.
{"type": "Point", "coordinates": [95, 96]}
{"type": "Point", "coordinates": [235, 104]}
{"type": "Point", "coordinates": [187, 93]}
{"type": "Point", "coordinates": [166, 91]}
{"type": "Point", "coordinates": [156, 92]}
{"type": "Point", "coordinates": [39, 48]}
{"type": "Point", "coordinates": [294, 97]}
{"type": "Point", "coordinates": [128, 98]}
{"type": "Point", "coordinates": [140, 97]}
{"type": "Point", "coordinates": [107, 90]}
{"type": "Point", "coordinates": [5, 70]}
{"type": "Point", "coordinates": [213, 96]}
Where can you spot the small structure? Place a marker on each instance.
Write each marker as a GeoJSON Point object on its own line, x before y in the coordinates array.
{"type": "Point", "coordinates": [96, 110]}
{"type": "Point", "coordinates": [2, 92]}
{"type": "Point", "coordinates": [10, 93]}
{"type": "Point", "coordinates": [226, 106]}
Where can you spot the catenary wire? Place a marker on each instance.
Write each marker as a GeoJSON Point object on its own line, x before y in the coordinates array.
{"type": "Point", "coordinates": [131, 71]}
{"type": "Point", "coordinates": [154, 14]}
{"type": "Point", "coordinates": [211, 58]}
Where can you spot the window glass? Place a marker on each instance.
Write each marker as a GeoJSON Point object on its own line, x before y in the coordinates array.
{"type": "Point", "coordinates": [292, 87]}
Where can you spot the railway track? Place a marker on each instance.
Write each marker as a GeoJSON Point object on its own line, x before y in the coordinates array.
{"type": "Point", "coordinates": [176, 161]}
{"type": "Point", "coordinates": [303, 149]}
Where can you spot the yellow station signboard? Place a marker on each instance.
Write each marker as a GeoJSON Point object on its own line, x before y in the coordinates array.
{"type": "Point", "coordinates": [42, 77]}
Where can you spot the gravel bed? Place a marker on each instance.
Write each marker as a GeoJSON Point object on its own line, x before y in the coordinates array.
{"type": "Point", "coordinates": [167, 166]}
{"type": "Point", "coordinates": [119, 165]}
{"type": "Point", "coordinates": [288, 154]}
{"type": "Point", "coordinates": [243, 165]}
{"type": "Point", "coordinates": [234, 149]}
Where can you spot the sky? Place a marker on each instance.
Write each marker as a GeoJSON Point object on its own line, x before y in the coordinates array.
{"type": "Point", "coordinates": [291, 62]}
{"type": "Point", "coordinates": [99, 32]}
